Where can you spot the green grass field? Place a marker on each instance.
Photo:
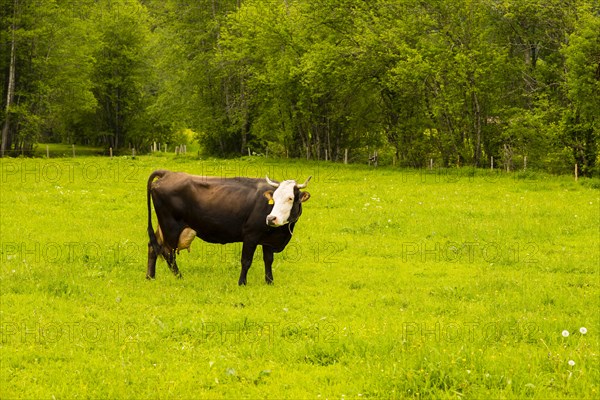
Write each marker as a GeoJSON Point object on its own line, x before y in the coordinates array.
{"type": "Point", "coordinates": [397, 283]}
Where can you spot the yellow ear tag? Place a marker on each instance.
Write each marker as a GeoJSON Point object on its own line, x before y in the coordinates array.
{"type": "Point", "coordinates": [271, 201]}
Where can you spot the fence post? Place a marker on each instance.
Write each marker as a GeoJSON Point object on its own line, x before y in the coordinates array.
{"type": "Point", "coordinates": [73, 151]}
{"type": "Point", "coordinates": [47, 152]}
{"type": "Point", "coordinates": [576, 172]}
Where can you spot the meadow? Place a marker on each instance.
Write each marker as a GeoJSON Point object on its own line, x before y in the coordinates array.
{"type": "Point", "coordinates": [455, 283]}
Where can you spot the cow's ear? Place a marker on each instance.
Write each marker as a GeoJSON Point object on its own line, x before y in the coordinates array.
{"type": "Point", "coordinates": [304, 196]}
{"type": "Point", "coordinates": [269, 196]}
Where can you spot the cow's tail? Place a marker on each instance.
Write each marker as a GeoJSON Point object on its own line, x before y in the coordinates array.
{"type": "Point", "coordinates": [153, 240]}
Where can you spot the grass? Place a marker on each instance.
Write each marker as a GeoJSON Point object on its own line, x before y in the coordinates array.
{"type": "Point", "coordinates": [65, 150]}
{"type": "Point", "coordinates": [397, 283]}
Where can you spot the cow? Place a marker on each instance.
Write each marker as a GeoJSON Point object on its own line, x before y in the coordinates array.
{"type": "Point", "coordinates": [221, 210]}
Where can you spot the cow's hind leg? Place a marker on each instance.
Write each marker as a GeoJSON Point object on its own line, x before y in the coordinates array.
{"type": "Point", "coordinates": [170, 257]}
{"type": "Point", "coordinates": [185, 240]}
{"type": "Point", "coordinates": [165, 252]}
{"type": "Point", "coordinates": [152, 256]}
{"type": "Point", "coordinates": [153, 253]}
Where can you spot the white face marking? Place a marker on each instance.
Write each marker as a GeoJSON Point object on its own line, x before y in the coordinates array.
{"type": "Point", "coordinates": [283, 198]}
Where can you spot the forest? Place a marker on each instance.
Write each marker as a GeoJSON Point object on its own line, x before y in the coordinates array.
{"type": "Point", "coordinates": [444, 82]}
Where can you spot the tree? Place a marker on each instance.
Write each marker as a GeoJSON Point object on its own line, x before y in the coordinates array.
{"type": "Point", "coordinates": [191, 90]}
{"type": "Point", "coordinates": [581, 120]}
{"type": "Point", "coordinates": [10, 90]}
{"type": "Point", "coordinates": [120, 72]}
{"type": "Point", "coordinates": [533, 32]}
{"type": "Point", "coordinates": [455, 81]}
{"type": "Point", "coordinates": [47, 84]}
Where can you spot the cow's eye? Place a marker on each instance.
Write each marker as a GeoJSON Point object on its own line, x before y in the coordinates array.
{"type": "Point", "coordinates": [290, 198]}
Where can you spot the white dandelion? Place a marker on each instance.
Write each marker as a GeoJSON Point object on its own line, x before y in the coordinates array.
{"type": "Point", "coordinates": [571, 363]}
{"type": "Point", "coordinates": [565, 333]}
{"type": "Point", "coordinates": [583, 330]}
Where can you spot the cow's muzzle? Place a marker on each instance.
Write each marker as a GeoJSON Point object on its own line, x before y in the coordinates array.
{"type": "Point", "coordinates": [272, 220]}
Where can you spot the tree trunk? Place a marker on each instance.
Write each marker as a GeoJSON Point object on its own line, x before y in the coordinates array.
{"type": "Point", "coordinates": [477, 118]}
{"type": "Point", "coordinates": [10, 92]}
{"type": "Point", "coordinates": [117, 125]}
{"type": "Point", "coordinates": [244, 112]}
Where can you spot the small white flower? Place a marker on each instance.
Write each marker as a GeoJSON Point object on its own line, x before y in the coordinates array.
{"type": "Point", "coordinates": [571, 363]}
{"type": "Point", "coordinates": [565, 333]}
{"type": "Point", "coordinates": [583, 330]}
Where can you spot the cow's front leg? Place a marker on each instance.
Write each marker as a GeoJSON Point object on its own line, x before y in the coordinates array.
{"type": "Point", "coordinates": [248, 250]}
{"type": "Point", "coordinates": [268, 259]}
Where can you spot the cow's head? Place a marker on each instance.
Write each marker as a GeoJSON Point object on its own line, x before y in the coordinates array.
{"type": "Point", "coordinates": [287, 201]}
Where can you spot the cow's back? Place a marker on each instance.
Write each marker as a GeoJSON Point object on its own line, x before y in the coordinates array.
{"type": "Point", "coordinates": [218, 209]}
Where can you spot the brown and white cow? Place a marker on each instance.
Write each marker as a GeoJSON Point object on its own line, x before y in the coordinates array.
{"type": "Point", "coordinates": [221, 210]}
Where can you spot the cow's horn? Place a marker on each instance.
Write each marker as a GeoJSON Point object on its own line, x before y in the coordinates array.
{"type": "Point", "coordinates": [270, 182]}
{"type": "Point", "coordinates": [305, 183]}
